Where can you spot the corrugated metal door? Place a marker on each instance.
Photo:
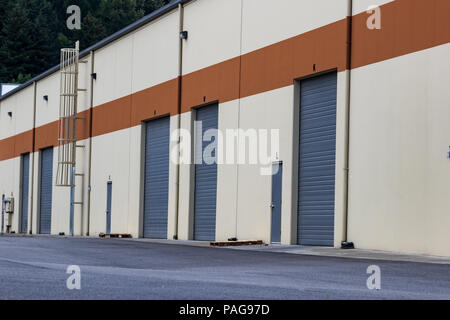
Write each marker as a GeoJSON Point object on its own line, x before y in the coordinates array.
{"type": "Point", "coordinates": [205, 176]}
{"type": "Point", "coordinates": [24, 195]}
{"type": "Point", "coordinates": [45, 200]}
{"type": "Point", "coordinates": [156, 188]}
{"type": "Point", "coordinates": [108, 207]}
{"type": "Point", "coordinates": [317, 160]}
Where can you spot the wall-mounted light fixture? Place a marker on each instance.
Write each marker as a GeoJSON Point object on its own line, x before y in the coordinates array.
{"type": "Point", "coordinates": [184, 35]}
{"type": "Point", "coordinates": [94, 76]}
{"type": "Point", "coordinates": [45, 98]}
{"type": "Point", "coordinates": [10, 114]}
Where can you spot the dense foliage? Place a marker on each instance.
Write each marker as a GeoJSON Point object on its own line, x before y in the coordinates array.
{"type": "Point", "coordinates": [33, 31]}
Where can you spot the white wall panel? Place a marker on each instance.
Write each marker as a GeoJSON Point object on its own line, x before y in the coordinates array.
{"type": "Point", "coordinates": [270, 110]}
{"type": "Point", "coordinates": [214, 28]}
{"type": "Point", "coordinates": [21, 106]}
{"type": "Point", "coordinates": [155, 52]}
{"type": "Point", "coordinates": [265, 23]}
{"type": "Point", "coordinates": [110, 162]}
{"type": "Point", "coordinates": [398, 166]}
{"type": "Point", "coordinates": [114, 66]}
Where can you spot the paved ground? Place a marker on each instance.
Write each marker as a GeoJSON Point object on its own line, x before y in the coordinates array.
{"type": "Point", "coordinates": [35, 268]}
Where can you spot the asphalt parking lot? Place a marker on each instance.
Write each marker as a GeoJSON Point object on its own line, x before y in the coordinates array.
{"type": "Point", "coordinates": [35, 268]}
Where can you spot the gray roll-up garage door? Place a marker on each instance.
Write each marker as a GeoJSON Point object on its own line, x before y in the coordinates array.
{"type": "Point", "coordinates": [46, 187]}
{"type": "Point", "coordinates": [24, 195]}
{"type": "Point", "coordinates": [205, 177]}
{"type": "Point", "coordinates": [156, 189]}
{"type": "Point", "coordinates": [317, 160]}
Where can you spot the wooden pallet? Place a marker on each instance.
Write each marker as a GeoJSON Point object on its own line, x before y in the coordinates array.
{"type": "Point", "coordinates": [115, 236]}
{"type": "Point", "coordinates": [236, 243]}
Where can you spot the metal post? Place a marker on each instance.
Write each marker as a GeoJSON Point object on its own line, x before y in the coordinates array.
{"type": "Point", "coordinates": [180, 83]}
{"type": "Point", "coordinates": [72, 200]}
{"type": "Point", "coordinates": [3, 213]}
{"type": "Point", "coordinates": [347, 124]}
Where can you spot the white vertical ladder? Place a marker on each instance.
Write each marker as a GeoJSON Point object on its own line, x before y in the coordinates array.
{"type": "Point", "coordinates": [67, 125]}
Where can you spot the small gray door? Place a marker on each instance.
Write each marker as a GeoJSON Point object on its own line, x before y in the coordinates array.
{"type": "Point", "coordinates": [108, 207]}
{"type": "Point", "coordinates": [205, 176]}
{"type": "Point", "coordinates": [317, 160]}
{"type": "Point", "coordinates": [24, 194]}
{"type": "Point", "coordinates": [277, 180]}
{"type": "Point", "coordinates": [45, 200]}
{"type": "Point", "coordinates": [156, 187]}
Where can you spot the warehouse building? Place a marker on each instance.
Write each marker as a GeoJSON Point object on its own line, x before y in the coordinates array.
{"type": "Point", "coordinates": [361, 110]}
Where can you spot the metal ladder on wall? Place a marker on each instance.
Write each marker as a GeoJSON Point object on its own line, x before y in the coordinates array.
{"type": "Point", "coordinates": [67, 126]}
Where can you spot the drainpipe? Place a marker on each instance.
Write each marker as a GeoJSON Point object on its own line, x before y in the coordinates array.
{"type": "Point", "coordinates": [3, 213]}
{"type": "Point", "coordinates": [345, 243]}
{"type": "Point", "coordinates": [180, 82]}
{"type": "Point", "coordinates": [33, 144]}
{"type": "Point", "coordinates": [91, 104]}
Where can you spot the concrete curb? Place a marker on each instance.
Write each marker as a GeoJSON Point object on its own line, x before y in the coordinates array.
{"type": "Point", "coordinates": [349, 254]}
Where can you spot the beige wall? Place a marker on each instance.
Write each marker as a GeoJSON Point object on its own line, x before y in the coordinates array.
{"type": "Point", "coordinates": [172, 227]}
{"type": "Point", "coordinates": [140, 60]}
{"type": "Point", "coordinates": [227, 175]}
{"type": "Point", "coordinates": [398, 168]}
{"type": "Point", "coordinates": [113, 65]}
{"type": "Point", "coordinates": [155, 52]}
{"type": "Point", "coordinates": [265, 24]}
{"type": "Point", "coordinates": [270, 110]}
{"type": "Point", "coordinates": [21, 106]}
{"type": "Point", "coordinates": [214, 28]}
{"type": "Point", "coordinates": [10, 183]}
{"type": "Point", "coordinates": [186, 192]}
{"type": "Point", "coordinates": [111, 162]}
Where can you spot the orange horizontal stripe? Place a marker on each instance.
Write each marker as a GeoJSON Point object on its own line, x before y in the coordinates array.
{"type": "Point", "coordinates": [131, 110]}
{"type": "Point", "coordinates": [219, 82]}
{"type": "Point", "coordinates": [407, 26]}
{"type": "Point", "coordinates": [14, 146]}
{"type": "Point", "coordinates": [154, 102]}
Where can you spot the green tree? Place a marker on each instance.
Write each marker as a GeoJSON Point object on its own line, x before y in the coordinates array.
{"type": "Point", "coordinates": [148, 6]}
{"type": "Point", "coordinates": [15, 44]}
{"type": "Point", "coordinates": [45, 37]}
{"type": "Point", "coordinates": [116, 14]}
{"type": "Point", "coordinates": [95, 30]}
{"type": "Point", "coordinates": [21, 78]}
